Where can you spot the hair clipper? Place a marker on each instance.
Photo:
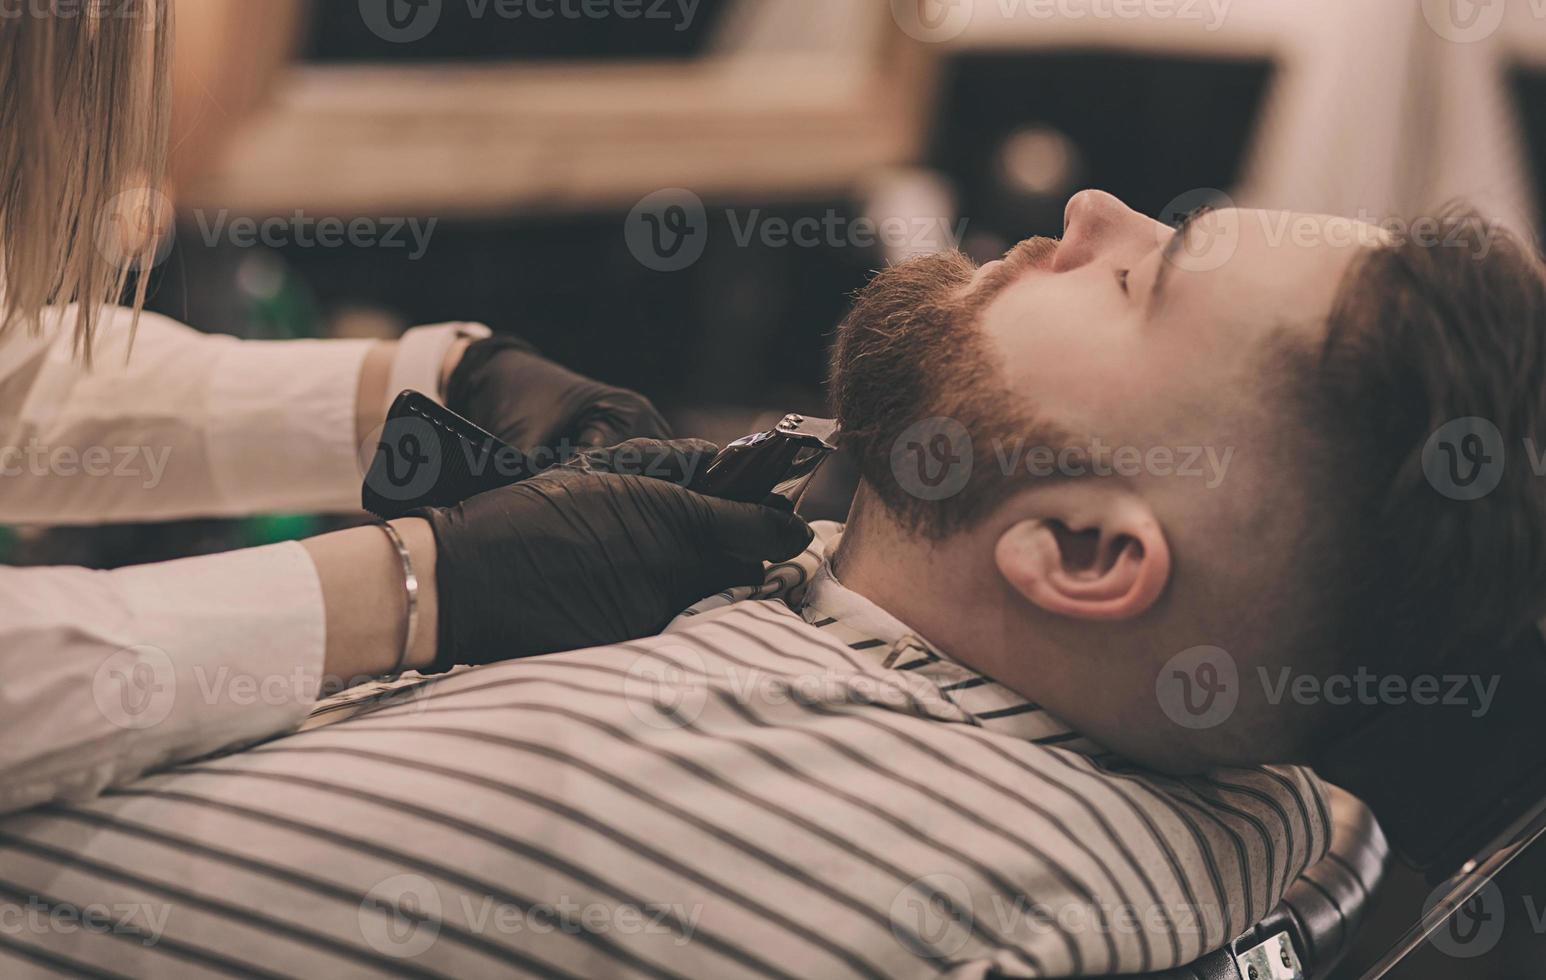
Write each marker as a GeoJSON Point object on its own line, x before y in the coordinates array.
{"type": "Point", "coordinates": [780, 462]}
{"type": "Point", "coordinates": [429, 456]}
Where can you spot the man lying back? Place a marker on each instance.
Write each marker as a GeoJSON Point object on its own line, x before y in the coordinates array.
{"type": "Point", "coordinates": [937, 741]}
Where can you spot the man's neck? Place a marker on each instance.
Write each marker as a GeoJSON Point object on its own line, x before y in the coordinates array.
{"type": "Point", "coordinates": [933, 588]}
{"type": "Point", "coordinates": [878, 572]}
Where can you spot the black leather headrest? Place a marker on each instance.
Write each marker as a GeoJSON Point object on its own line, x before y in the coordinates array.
{"type": "Point", "coordinates": [1323, 908]}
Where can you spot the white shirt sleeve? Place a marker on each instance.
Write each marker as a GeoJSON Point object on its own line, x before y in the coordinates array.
{"type": "Point", "coordinates": [184, 424]}
{"type": "Point", "coordinates": [105, 675]}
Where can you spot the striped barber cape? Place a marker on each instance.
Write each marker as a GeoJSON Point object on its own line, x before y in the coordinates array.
{"type": "Point", "coordinates": [759, 791]}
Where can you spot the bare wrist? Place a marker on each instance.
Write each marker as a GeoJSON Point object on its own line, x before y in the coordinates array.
{"type": "Point", "coordinates": [369, 411]}
{"type": "Point", "coordinates": [452, 360]}
{"type": "Point", "coordinates": [365, 600]}
{"type": "Point", "coordinates": [420, 541]}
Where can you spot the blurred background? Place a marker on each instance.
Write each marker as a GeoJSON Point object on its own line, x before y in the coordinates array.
{"type": "Point", "coordinates": [680, 195]}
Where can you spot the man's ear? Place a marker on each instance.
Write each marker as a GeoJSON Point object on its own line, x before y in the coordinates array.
{"type": "Point", "coordinates": [1094, 553]}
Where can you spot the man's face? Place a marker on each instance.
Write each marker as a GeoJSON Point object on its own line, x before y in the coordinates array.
{"type": "Point", "coordinates": [1128, 332]}
{"type": "Point", "coordinates": [1152, 348]}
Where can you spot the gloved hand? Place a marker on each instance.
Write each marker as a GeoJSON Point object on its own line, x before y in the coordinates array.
{"type": "Point", "coordinates": [542, 409]}
{"type": "Point", "coordinates": [605, 549]}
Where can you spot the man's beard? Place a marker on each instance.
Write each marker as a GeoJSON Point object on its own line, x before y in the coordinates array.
{"type": "Point", "coordinates": [912, 340]}
{"type": "Point", "coordinates": [912, 350]}
{"type": "Point", "coordinates": [1033, 253]}
{"type": "Point", "coordinates": [902, 344]}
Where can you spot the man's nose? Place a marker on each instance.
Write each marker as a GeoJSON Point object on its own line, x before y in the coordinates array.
{"type": "Point", "coordinates": [1097, 225]}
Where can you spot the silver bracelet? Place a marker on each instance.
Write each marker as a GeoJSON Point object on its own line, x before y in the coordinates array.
{"type": "Point", "coordinates": [411, 585]}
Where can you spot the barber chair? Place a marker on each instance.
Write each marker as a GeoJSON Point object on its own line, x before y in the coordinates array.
{"type": "Point", "coordinates": [1479, 803]}
{"type": "Point", "coordinates": [1313, 927]}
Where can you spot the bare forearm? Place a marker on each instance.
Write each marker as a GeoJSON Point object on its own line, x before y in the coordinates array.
{"type": "Point", "coordinates": [360, 570]}
{"type": "Point", "coordinates": [366, 601]}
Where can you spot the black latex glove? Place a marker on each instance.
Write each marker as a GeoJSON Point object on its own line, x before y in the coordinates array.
{"type": "Point", "coordinates": [542, 409]}
{"type": "Point", "coordinates": [592, 553]}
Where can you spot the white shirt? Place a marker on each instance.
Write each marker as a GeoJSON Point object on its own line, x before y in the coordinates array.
{"type": "Point", "coordinates": [104, 675]}
{"type": "Point", "coordinates": [755, 792]}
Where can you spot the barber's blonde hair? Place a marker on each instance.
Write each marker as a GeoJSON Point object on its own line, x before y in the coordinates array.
{"type": "Point", "coordinates": [84, 112]}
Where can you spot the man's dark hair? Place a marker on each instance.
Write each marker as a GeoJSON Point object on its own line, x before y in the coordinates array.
{"type": "Point", "coordinates": [1425, 333]}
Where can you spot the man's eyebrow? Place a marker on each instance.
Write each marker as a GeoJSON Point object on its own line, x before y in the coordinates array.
{"type": "Point", "coordinates": [1168, 255]}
